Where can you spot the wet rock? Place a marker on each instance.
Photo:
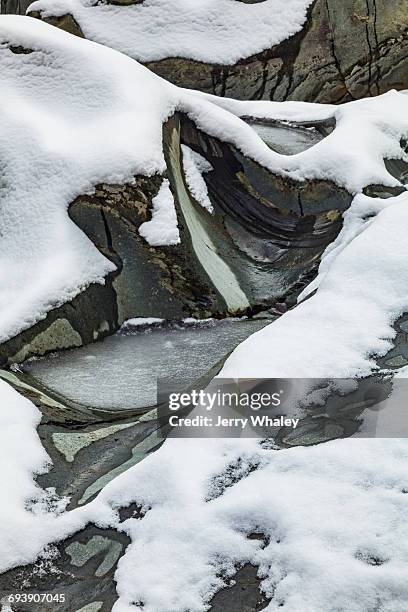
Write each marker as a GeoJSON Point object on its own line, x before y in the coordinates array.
{"type": "Point", "coordinates": [163, 282]}
{"type": "Point", "coordinates": [397, 356]}
{"type": "Point", "coordinates": [270, 230]}
{"type": "Point", "coordinates": [382, 191]}
{"type": "Point", "coordinates": [397, 362]}
{"type": "Point", "coordinates": [398, 168]}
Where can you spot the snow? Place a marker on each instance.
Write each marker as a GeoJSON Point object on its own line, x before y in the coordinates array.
{"type": "Point", "coordinates": [88, 115]}
{"type": "Point", "coordinates": [18, 420]}
{"type": "Point", "coordinates": [195, 165]}
{"type": "Point", "coordinates": [215, 31]}
{"type": "Point", "coordinates": [162, 229]}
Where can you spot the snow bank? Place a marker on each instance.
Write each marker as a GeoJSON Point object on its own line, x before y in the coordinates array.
{"type": "Point", "coordinates": [352, 155]}
{"type": "Point", "coordinates": [21, 454]}
{"type": "Point", "coordinates": [332, 517]}
{"type": "Point", "coordinates": [30, 517]}
{"type": "Point", "coordinates": [214, 31]}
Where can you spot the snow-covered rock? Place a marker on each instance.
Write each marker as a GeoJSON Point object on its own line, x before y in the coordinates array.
{"type": "Point", "coordinates": [322, 51]}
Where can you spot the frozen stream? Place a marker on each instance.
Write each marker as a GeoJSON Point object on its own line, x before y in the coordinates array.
{"type": "Point", "coordinates": [287, 140]}
{"type": "Point", "coordinates": [121, 371]}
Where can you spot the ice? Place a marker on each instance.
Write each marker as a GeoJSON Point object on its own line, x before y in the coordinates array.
{"type": "Point", "coordinates": [121, 371]}
{"type": "Point", "coordinates": [287, 140]}
{"type": "Point", "coordinates": [162, 229]}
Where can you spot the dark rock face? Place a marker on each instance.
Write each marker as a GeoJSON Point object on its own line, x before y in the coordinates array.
{"type": "Point", "coordinates": [243, 596]}
{"type": "Point", "coordinates": [346, 50]}
{"type": "Point", "coordinates": [266, 233]}
{"type": "Point", "coordinates": [163, 282]}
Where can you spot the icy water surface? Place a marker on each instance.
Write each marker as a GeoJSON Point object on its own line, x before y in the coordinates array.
{"type": "Point", "coordinates": [287, 140]}
{"type": "Point", "coordinates": [121, 371]}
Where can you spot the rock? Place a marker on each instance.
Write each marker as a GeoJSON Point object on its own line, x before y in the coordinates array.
{"type": "Point", "coordinates": [346, 50]}
{"type": "Point", "coordinates": [397, 362]}
{"type": "Point", "coordinates": [65, 22]}
{"type": "Point", "coordinates": [268, 230]}
{"type": "Point", "coordinates": [82, 568]}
